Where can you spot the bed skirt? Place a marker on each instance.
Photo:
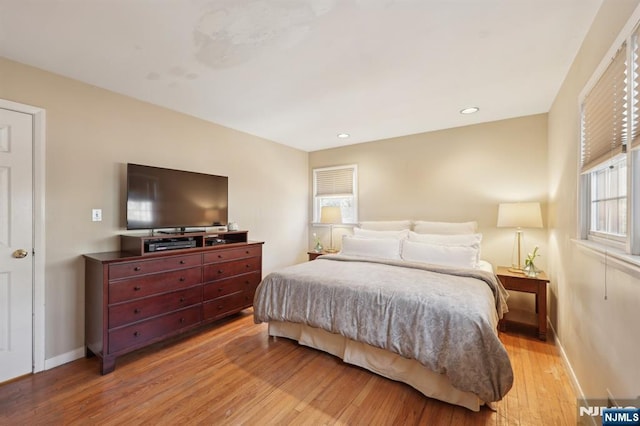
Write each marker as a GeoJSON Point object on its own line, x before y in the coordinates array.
{"type": "Point", "coordinates": [379, 361]}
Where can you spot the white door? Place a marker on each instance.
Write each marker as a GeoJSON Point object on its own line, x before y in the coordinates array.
{"type": "Point", "coordinates": [16, 244]}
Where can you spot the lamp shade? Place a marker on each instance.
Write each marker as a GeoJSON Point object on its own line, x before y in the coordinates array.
{"type": "Point", "coordinates": [330, 215]}
{"type": "Point", "coordinates": [519, 215]}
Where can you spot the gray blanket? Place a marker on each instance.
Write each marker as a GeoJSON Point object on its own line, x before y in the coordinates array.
{"type": "Point", "coordinates": [445, 318]}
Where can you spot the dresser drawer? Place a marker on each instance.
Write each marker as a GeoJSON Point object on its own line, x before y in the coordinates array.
{"type": "Point", "coordinates": [144, 331]}
{"type": "Point", "coordinates": [231, 285]}
{"type": "Point", "coordinates": [128, 312]}
{"type": "Point", "coordinates": [126, 290]}
{"type": "Point", "coordinates": [223, 287]}
{"type": "Point", "coordinates": [133, 269]}
{"type": "Point", "coordinates": [250, 294]}
{"type": "Point", "coordinates": [222, 270]}
{"type": "Point", "coordinates": [235, 253]}
{"type": "Point", "coordinates": [226, 305]}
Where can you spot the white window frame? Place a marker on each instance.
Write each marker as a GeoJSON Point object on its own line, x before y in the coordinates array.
{"type": "Point", "coordinates": [618, 240]}
{"type": "Point", "coordinates": [630, 243]}
{"type": "Point", "coordinates": [317, 199]}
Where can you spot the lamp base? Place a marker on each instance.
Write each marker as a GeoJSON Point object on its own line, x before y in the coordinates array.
{"type": "Point", "coordinates": [516, 270]}
{"type": "Point", "coordinates": [330, 250]}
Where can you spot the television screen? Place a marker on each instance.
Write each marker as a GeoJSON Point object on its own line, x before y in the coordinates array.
{"type": "Point", "coordinates": [165, 198]}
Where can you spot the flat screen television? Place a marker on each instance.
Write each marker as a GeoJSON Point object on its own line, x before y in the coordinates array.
{"type": "Point", "coordinates": [159, 198]}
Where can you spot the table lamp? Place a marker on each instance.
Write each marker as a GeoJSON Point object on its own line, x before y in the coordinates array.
{"type": "Point", "coordinates": [519, 215]}
{"type": "Point", "coordinates": [331, 215]}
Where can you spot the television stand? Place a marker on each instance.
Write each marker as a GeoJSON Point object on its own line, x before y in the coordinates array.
{"type": "Point", "coordinates": [135, 300]}
{"type": "Point", "coordinates": [141, 245]}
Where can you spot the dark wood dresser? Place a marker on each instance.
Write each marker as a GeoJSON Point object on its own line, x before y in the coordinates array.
{"type": "Point", "coordinates": [134, 300]}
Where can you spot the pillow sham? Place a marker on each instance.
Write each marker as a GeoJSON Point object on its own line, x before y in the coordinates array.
{"type": "Point", "coordinates": [445, 228]}
{"type": "Point", "coordinates": [455, 256]}
{"type": "Point", "coordinates": [388, 225]}
{"type": "Point", "coordinates": [447, 239]}
{"type": "Point", "coordinates": [466, 240]}
{"type": "Point", "coordinates": [382, 248]}
{"type": "Point", "coordinates": [368, 233]}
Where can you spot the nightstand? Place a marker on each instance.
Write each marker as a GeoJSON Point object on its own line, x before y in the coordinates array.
{"type": "Point", "coordinates": [313, 254]}
{"type": "Point", "coordinates": [515, 281]}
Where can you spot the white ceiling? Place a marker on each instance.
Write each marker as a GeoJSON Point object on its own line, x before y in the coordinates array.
{"type": "Point", "coordinates": [299, 72]}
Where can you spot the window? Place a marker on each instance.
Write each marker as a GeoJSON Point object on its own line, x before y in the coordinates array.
{"type": "Point", "coordinates": [336, 187]}
{"type": "Point", "coordinates": [609, 199]}
{"type": "Point", "coordinates": [610, 151]}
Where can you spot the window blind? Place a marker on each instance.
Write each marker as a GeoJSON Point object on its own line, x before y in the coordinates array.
{"type": "Point", "coordinates": [634, 134]}
{"type": "Point", "coordinates": [604, 115]}
{"type": "Point", "coordinates": [334, 181]}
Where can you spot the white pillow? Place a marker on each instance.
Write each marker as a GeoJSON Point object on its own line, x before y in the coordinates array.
{"type": "Point", "coordinates": [447, 240]}
{"type": "Point", "coordinates": [389, 225]}
{"type": "Point", "coordinates": [384, 248]}
{"type": "Point", "coordinates": [447, 228]}
{"type": "Point", "coordinates": [456, 256]}
{"type": "Point", "coordinates": [467, 240]}
{"type": "Point", "coordinates": [368, 233]}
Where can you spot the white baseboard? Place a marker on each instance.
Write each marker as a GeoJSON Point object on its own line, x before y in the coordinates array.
{"type": "Point", "coordinates": [64, 358]}
{"type": "Point", "coordinates": [572, 375]}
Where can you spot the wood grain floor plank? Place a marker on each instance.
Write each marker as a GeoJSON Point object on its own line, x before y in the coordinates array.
{"type": "Point", "coordinates": [233, 373]}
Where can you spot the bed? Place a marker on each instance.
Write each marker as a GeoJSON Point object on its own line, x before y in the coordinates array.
{"type": "Point", "coordinates": [380, 306]}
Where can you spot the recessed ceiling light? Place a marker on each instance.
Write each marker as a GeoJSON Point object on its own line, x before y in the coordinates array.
{"type": "Point", "coordinates": [470, 110]}
{"type": "Point", "coordinates": [343, 135]}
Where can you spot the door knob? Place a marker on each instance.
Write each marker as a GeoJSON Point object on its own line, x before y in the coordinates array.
{"type": "Point", "coordinates": [20, 253]}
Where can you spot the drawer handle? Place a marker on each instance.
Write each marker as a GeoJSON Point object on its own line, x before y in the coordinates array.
{"type": "Point", "coordinates": [247, 282]}
{"type": "Point", "coordinates": [246, 252]}
{"type": "Point", "coordinates": [182, 279]}
{"type": "Point", "coordinates": [181, 299]}
{"type": "Point", "coordinates": [219, 256]}
{"type": "Point", "coordinates": [182, 320]}
{"type": "Point", "coordinates": [137, 288]}
{"type": "Point", "coordinates": [137, 268]}
{"type": "Point", "coordinates": [137, 333]}
{"type": "Point", "coordinates": [136, 311]}
{"type": "Point", "coordinates": [220, 271]}
{"type": "Point", "coordinates": [219, 289]}
{"type": "Point", "coordinates": [247, 265]}
{"type": "Point", "coordinates": [182, 262]}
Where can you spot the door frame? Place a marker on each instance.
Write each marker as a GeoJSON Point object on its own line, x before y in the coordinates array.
{"type": "Point", "coordinates": [38, 283]}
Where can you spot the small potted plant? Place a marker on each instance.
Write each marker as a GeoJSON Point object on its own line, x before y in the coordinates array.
{"type": "Point", "coordinates": [318, 246]}
{"type": "Point", "coordinates": [530, 269]}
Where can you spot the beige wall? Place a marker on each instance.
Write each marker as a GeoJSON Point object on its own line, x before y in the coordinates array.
{"type": "Point", "coordinates": [601, 337]}
{"type": "Point", "coordinates": [457, 174]}
{"type": "Point", "coordinates": [92, 133]}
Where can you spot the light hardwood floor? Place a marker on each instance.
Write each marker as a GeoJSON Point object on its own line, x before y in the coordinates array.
{"type": "Point", "coordinates": [233, 373]}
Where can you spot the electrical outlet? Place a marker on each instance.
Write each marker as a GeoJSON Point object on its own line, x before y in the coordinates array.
{"type": "Point", "coordinates": [96, 215]}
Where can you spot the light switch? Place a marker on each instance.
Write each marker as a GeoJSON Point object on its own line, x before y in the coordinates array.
{"type": "Point", "coordinates": [96, 215]}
